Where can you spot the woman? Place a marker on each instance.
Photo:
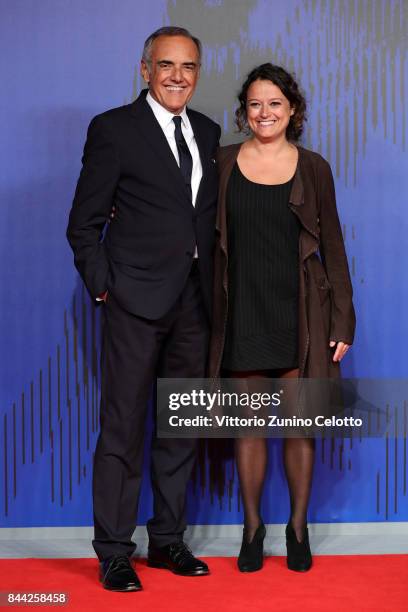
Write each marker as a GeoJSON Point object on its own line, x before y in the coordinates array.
{"type": "Point", "coordinates": [283, 296]}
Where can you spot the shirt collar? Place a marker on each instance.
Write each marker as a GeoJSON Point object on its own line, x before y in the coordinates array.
{"type": "Point", "coordinates": [165, 117]}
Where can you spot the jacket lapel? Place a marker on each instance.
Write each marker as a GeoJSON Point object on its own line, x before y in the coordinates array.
{"type": "Point", "coordinates": [225, 166]}
{"type": "Point", "coordinates": [199, 135]}
{"type": "Point", "coordinates": [152, 133]}
{"type": "Point", "coordinates": [305, 213]}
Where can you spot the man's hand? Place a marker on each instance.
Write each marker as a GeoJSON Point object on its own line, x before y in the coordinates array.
{"type": "Point", "coordinates": [341, 349]}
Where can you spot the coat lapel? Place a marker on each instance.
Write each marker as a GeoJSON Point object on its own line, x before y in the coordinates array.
{"type": "Point", "coordinates": [199, 135]}
{"type": "Point", "coordinates": [152, 133]}
{"type": "Point", "coordinates": [307, 215]}
{"type": "Point", "coordinates": [226, 163]}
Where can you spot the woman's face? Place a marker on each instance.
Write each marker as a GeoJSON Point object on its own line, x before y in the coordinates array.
{"type": "Point", "coordinates": [268, 111]}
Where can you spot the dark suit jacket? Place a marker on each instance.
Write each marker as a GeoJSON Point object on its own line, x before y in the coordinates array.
{"type": "Point", "coordinates": [145, 256]}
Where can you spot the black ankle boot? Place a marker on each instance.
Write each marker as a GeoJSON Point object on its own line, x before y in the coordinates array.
{"type": "Point", "coordinates": [251, 554]}
{"type": "Point", "coordinates": [299, 556]}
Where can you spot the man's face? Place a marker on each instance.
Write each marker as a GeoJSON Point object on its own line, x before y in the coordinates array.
{"type": "Point", "coordinates": [173, 71]}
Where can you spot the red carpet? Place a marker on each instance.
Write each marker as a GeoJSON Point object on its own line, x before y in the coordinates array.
{"type": "Point", "coordinates": [344, 583]}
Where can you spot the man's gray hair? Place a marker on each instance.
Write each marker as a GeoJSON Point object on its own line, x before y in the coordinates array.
{"type": "Point", "coordinates": [168, 31]}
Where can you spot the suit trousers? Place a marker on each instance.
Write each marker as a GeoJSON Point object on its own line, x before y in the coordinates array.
{"type": "Point", "coordinates": [134, 352]}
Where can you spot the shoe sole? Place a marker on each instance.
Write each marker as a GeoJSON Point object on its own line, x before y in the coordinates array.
{"type": "Point", "coordinates": [250, 571]}
{"type": "Point", "coordinates": [130, 589]}
{"type": "Point", "coordinates": [158, 565]}
{"type": "Point", "coordinates": [301, 571]}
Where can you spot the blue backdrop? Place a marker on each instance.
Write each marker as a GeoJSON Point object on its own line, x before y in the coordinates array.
{"type": "Point", "coordinates": [64, 61]}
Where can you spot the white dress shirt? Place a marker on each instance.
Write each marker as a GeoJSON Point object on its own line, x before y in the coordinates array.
{"type": "Point", "coordinates": [165, 119]}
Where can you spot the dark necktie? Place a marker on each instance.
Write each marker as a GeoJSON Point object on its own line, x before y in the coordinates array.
{"type": "Point", "coordinates": [186, 161]}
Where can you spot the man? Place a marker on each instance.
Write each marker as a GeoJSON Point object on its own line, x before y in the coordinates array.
{"type": "Point", "coordinates": [153, 161]}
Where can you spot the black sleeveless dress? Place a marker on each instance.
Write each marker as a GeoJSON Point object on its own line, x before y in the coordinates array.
{"type": "Point", "coordinates": [263, 276]}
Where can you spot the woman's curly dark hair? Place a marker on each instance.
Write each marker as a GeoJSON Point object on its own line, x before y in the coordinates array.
{"type": "Point", "coordinates": [288, 86]}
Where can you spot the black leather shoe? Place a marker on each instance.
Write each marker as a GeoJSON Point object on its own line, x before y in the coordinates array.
{"type": "Point", "coordinates": [251, 554]}
{"type": "Point", "coordinates": [117, 574]}
{"type": "Point", "coordinates": [299, 557]}
{"type": "Point", "coordinates": [178, 558]}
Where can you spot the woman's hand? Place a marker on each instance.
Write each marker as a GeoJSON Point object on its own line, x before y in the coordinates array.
{"type": "Point", "coordinates": [341, 349]}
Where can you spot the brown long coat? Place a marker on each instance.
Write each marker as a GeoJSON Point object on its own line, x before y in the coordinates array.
{"type": "Point", "coordinates": [325, 293]}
